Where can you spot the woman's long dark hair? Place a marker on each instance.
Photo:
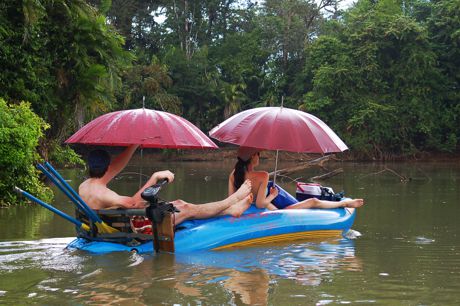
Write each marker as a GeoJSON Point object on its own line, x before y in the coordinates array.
{"type": "Point", "coordinates": [241, 167]}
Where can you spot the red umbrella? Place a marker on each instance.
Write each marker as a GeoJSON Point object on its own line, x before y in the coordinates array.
{"type": "Point", "coordinates": [278, 128]}
{"type": "Point", "coordinates": [145, 127]}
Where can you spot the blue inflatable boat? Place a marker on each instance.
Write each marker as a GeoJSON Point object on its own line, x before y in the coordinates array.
{"type": "Point", "coordinates": [256, 226]}
{"type": "Point", "coordinates": [112, 230]}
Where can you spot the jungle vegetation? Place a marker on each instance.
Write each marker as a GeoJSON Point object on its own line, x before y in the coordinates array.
{"type": "Point", "coordinates": [384, 74]}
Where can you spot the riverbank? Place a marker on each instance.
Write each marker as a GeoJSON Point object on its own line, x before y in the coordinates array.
{"type": "Point", "coordinates": [229, 153]}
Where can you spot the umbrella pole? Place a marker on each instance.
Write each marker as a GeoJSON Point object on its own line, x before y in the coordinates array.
{"type": "Point", "coordinates": [140, 170]}
{"type": "Point", "coordinates": [276, 168]}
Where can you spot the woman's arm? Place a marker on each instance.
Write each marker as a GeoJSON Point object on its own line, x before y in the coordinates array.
{"type": "Point", "coordinates": [262, 200]}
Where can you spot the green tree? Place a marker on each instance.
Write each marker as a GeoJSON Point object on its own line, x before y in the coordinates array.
{"type": "Point", "coordinates": [375, 80]}
{"type": "Point", "coordinates": [444, 28]}
{"type": "Point", "coordinates": [233, 97]}
{"type": "Point", "coordinates": [287, 28]}
{"type": "Point", "coordinates": [20, 132]}
{"type": "Point", "coordinates": [62, 56]}
{"type": "Point", "coordinates": [193, 83]}
{"type": "Point", "coordinates": [240, 61]}
{"type": "Point", "coordinates": [147, 85]}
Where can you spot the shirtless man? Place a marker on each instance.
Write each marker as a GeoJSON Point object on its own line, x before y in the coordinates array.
{"type": "Point", "coordinates": [248, 160]}
{"type": "Point", "coordinates": [97, 195]}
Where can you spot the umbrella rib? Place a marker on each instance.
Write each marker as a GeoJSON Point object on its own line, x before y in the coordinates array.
{"type": "Point", "coordinates": [254, 128]}
{"type": "Point", "coordinates": [95, 126]}
{"type": "Point", "coordinates": [272, 130]}
{"type": "Point", "coordinates": [194, 133]}
{"type": "Point", "coordinates": [316, 123]}
{"type": "Point", "coordinates": [163, 128]}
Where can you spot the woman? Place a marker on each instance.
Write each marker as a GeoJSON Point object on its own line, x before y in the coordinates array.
{"type": "Point", "coordinates": [248, 159]}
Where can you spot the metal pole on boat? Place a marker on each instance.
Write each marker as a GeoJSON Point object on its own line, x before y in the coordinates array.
{"type": "Point", "coordinates": [78, 223]}
{"type": "Point", "coordinates": [56, 178]}
{"type": "Point", "coordinates": [66, 189]}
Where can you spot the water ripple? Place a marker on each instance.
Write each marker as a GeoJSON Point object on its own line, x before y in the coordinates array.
{"type": "Point", "coordinates": [44, 253]}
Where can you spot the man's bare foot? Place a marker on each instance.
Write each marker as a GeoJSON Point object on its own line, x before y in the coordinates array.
{"type": "Point", "coordinates": [242, 192]}
{"type": "Point", "coordinates": [354, 203]}
{"type": "Point", "coordinates": [237, 209]}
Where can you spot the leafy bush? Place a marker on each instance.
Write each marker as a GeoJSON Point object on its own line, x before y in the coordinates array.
{"type": "Point", "coordinates": [20, 132]}
{"type": "Point", "coordinates": [64, 156]}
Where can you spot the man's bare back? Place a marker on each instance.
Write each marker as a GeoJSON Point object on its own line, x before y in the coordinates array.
{"type": "Point", "coordinates": [99, 196]}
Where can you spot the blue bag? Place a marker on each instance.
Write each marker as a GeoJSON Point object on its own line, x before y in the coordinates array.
{"type": "Point", "coordinates": [283, 199]}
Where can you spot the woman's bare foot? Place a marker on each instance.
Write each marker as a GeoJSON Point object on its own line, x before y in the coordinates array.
{"type": "Point", "coordinates": [242, 192]}
{"type": "Point", "coordinates": [237, 209]}
{"type": "Point", "coordinates": [354, 203]}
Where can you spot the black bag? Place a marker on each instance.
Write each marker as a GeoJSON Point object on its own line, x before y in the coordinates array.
{"type": "Point", "coordinates": [328, 194]}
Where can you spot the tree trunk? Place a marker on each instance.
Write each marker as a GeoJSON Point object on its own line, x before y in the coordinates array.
{"type": "Point", "coordinates": [308, 164]}
{"type": "Point", "coordinates": [79, 115]}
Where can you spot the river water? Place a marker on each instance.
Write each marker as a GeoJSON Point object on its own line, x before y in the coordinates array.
{"type": "Point", "coordinates": [408, 254]}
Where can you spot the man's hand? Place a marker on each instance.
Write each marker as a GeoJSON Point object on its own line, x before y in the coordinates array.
{"type": "Point", "coordinates": [165, 174]}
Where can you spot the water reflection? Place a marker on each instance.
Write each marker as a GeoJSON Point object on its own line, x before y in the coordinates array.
{"type": "Point", "coordinates": [241, 276]}
{"type": "Point", "coordinates": [249, 273]}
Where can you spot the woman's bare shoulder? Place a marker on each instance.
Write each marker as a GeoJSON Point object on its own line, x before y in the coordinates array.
{"type": "Point", "coordinates": [257, 175]}
{"type": "Point", "coordinates": [261, 174]}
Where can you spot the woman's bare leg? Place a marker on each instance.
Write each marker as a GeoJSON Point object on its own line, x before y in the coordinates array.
{"type": "Point", "coordinates": [315, 203]}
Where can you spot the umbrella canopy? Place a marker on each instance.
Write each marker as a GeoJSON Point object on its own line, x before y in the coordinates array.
{"type": "Point", "coordinates": [145, 127]}
{"type": "Point", "coordinates": [279, 128]}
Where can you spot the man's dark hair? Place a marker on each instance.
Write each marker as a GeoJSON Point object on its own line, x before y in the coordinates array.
{"type": "Point", "coordinates": [98, 163]}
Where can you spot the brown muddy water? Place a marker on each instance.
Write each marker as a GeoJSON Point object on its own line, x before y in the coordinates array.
{"type": "Point", "coordinates": [408, 254]}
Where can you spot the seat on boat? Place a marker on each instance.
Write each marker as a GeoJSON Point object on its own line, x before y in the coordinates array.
{"type": "Point", "coordinates": [121, 219]}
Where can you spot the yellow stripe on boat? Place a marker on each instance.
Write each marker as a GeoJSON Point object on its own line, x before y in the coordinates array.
{"type": "Point", "coordinates": [284, 237]}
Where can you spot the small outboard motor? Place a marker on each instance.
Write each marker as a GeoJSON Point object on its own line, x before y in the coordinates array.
{"type": "Point", "coordinates": [156, 210]}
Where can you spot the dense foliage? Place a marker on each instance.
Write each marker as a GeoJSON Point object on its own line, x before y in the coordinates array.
{"type": "Point", "coordinates": [376, 77]}
{"type": "Point", "coordinates": [20, 132]}
{"type": "Point", "coordinates": [62, 57]}
{"type": "Point", "coordinates": [384, 74]}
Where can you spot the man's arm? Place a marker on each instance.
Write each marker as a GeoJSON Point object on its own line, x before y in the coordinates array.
{"type": "Point", "coordinates": [119, 163]}
{"type": "Point", "coordinates": [155, 178]}
{"type": "Point", "coordinates": [112, 199]}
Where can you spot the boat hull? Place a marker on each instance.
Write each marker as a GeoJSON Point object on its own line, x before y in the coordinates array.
{"type": "Point", "coordinates": [255, 227]}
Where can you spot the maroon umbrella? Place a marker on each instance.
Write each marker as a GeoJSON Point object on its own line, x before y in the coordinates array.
{"type": "Point", "coordinates": [145, 127]}
{"type": "Point", "coordinates": [278, 128]}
